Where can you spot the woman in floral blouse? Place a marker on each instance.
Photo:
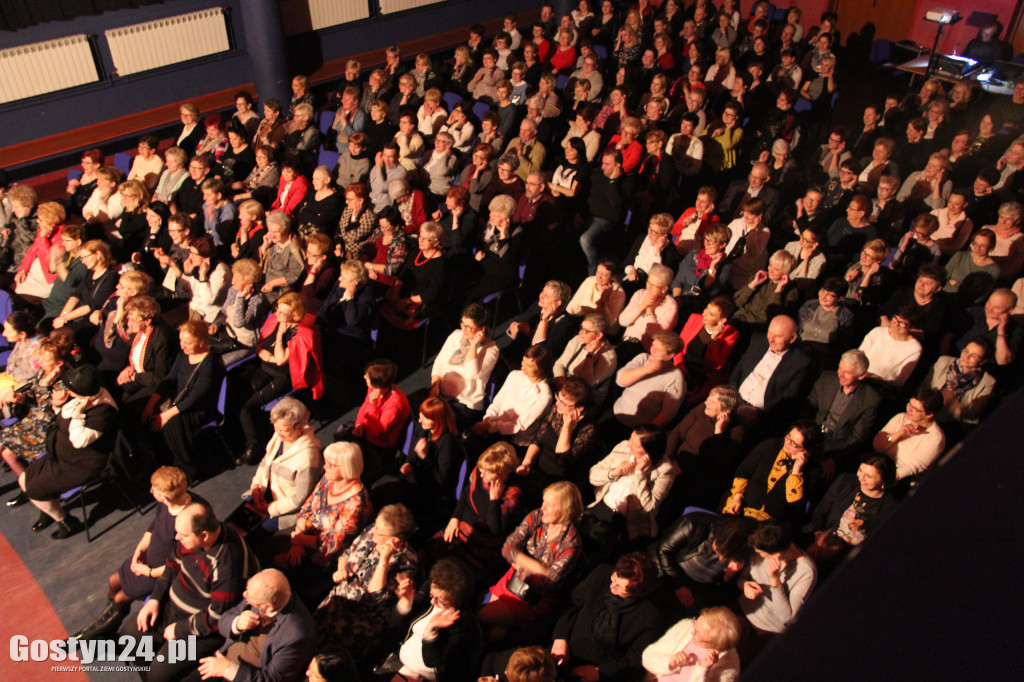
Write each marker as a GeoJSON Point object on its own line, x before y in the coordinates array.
{"type": "Point", "coordinates": [542, 552]}
{"type": "Point", "coordinates": [357, 609]}
{"type": "Point", "coordinates": [330, 518]}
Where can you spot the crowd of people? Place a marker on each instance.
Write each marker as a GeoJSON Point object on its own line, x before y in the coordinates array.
{"type": "Point", "coordinates": [748, 332]}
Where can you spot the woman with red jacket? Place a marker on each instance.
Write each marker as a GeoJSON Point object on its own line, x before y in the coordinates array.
{"type": "Point", "coordinates": [37, 272]}
{"type": "Point", "coordinates": [289, 359]}
{"type": "Point", "coordinates": [292, 188]}
{"type": "Point", "coordinates": [708, 340]}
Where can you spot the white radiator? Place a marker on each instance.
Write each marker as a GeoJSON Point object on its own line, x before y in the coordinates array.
{"type": "Point", "coordinates": [141, 47]}
{"type": "Point", "coordinates": [392, 6]}
{"type": "Point", "coordinates": [302, 16]}
{"type": "Point", "coordinates": [39, 68]}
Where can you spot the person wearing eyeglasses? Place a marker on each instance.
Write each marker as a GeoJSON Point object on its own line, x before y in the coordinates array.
{"type": "Point", "coordinates": [756, 186]}
{"type": "Point", "coordinates": [778, 476]}
{"type": "Point", "coordinates": [965, 385]}
{"type": "Point", "coordinates": [912, 438]}
{"type": "Point", "coordinates": [444, 641]}
{"type": "Point", "coordinates": [891, 350]}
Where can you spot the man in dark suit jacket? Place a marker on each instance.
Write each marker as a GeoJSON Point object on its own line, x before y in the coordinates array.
{"type": "Point", "coordinates": [544, 323]}
{"type": "Point", "coordinates": [739, 192]}
{"type": "Point", "coordinates": [269, 611]}
{"type": "Point", "coordinates": [846, 409]}
{"type": "Point", "coordinates": [772, 376]}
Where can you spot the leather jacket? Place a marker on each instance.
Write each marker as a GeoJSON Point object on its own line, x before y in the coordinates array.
{"type": "Point", "coordinates": [680, 542]}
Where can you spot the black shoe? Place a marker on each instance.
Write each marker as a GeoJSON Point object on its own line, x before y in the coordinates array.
{"type": "Point", "coordinates": [44, 521]}
{"type": "Point", "coordinates": [66, 528]}
{"type": "Point", "coordinates": [249, 455]}
{"type": "Point", "coordinates": [21, 499]}
{"type": "Point", "coordinates": [105, 624]}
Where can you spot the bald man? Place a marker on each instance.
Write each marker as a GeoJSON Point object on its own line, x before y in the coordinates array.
{"type": "Point", "coordinates": [270, 634]}
{"type": "Point", "coordinates": [773, 375]}
{"type": "Point", "coordinates": [203, 580]}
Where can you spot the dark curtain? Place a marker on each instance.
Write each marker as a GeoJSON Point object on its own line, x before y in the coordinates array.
{"type": "Point", "coordinates": [17, 14]}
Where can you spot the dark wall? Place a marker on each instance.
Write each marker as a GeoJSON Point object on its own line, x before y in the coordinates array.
{"type": "Point", "coordinates": [49, 114]}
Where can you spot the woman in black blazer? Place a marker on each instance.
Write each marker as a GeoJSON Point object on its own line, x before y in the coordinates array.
{"type": "Point", "coordinates": [187, 397]}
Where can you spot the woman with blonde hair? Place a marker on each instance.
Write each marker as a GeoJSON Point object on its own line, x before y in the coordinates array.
{"type": "Point", "coordinates": [337, 510]}
{"type": "Point", "coordinates": [36, 272]}
{"type": "Point", "coordinates": [289, 358]}
{"type": "Point", "coordinates": [111, 344]}
{"type": "Point", "coordinates": [697, 648]}
{"type": "Point", "coordinates": [541, 552]}
{"type": "Point", "coordinates": [234, 331]}
{"type": "Point", "coordinates": [187, 397]}
{"type": "Point", "coordinates": [130, 231]}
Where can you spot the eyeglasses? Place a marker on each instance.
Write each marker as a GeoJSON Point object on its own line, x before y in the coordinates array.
{"type": "Point", "coordinates": [466, 328]}
{"type": "Point", "coordinates": [973, 356]}
{"type": "Point", "coordinates": [790, 441]}
{"type": "Point", "coordinates": [584, 330]}
{"type": "Point", "coordinates": [898, 322]}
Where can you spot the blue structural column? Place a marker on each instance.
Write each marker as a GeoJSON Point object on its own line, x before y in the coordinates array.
{"type": "Point", "coordinates": [562, 7]}
{"type": "Point", "coordinates": [264, 39]}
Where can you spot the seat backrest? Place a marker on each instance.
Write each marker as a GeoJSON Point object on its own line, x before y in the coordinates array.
{"type": "Point", "coordinates": [463, 473]}
{"type": "Point", "coordinates": [481, 108]}
{"type": "Point", "coordinates": [328, 158]}
{"type": "Point", "coordinates": [881, 49]}
{"type": "Point", "coordinates": [222, 398]}
{"type": "Point", "coordinates": [409, 429]}
{"type": "Point", "coordinates": [326, 119]}
{"type": "Point", "coordinates": [451, 99]}
{"type": "Point", "coordinates": [123, 162]}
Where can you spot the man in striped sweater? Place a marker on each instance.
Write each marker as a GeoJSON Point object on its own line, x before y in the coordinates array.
{"type": "Point", "coordinates": [202, 580]}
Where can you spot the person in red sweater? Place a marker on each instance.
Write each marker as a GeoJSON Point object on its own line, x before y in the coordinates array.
{"type": "Point", "coordinates": [627, 144]}
{"type": "Point", "coordinates": [708, 341]}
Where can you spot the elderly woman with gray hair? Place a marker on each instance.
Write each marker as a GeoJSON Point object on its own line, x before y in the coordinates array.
{"type": "Point", "coordinates": [409, 202]}
{"type": "Point", "coordinates": [498, 251]}
{"type": "Point", "coordinates": [285, 477]}
{"type": "Point", "coordinates": [329, 520]}
{"type": "Point", "coordinates": [441, 164]}
{"type": "Point", "coordinates": [281, 257]}
{"type": "Point", "coordinates": [702, 648]}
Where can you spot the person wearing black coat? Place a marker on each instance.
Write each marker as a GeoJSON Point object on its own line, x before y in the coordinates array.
{"type": "Point", "coordinates": [657, 234]}
{"type": "Point", "coordinates": [699, 555]}
{"type": "Point", "coordinates": [856, 504]}
{"type": "Point", "coordinates": [187, 397]}
{"type": "Point", "coordinates": [79, 445]}
{"type": "Point", "coordinates": [443, 636]}
{"type": "Point", "coordinates": [785, 386]}
{"type": "Point", "coordinates": [347, 315]}
{"type": "Point", "coordinates": [779, 477]}
{"type": "Point", "coordinates": [611, 618]}
{"type": "Point", "coordinates": [189, 199]}
{"type": "Point", "coordinates": [146, 369]}
{"type": "Point", "coordinates": [189, 117]}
